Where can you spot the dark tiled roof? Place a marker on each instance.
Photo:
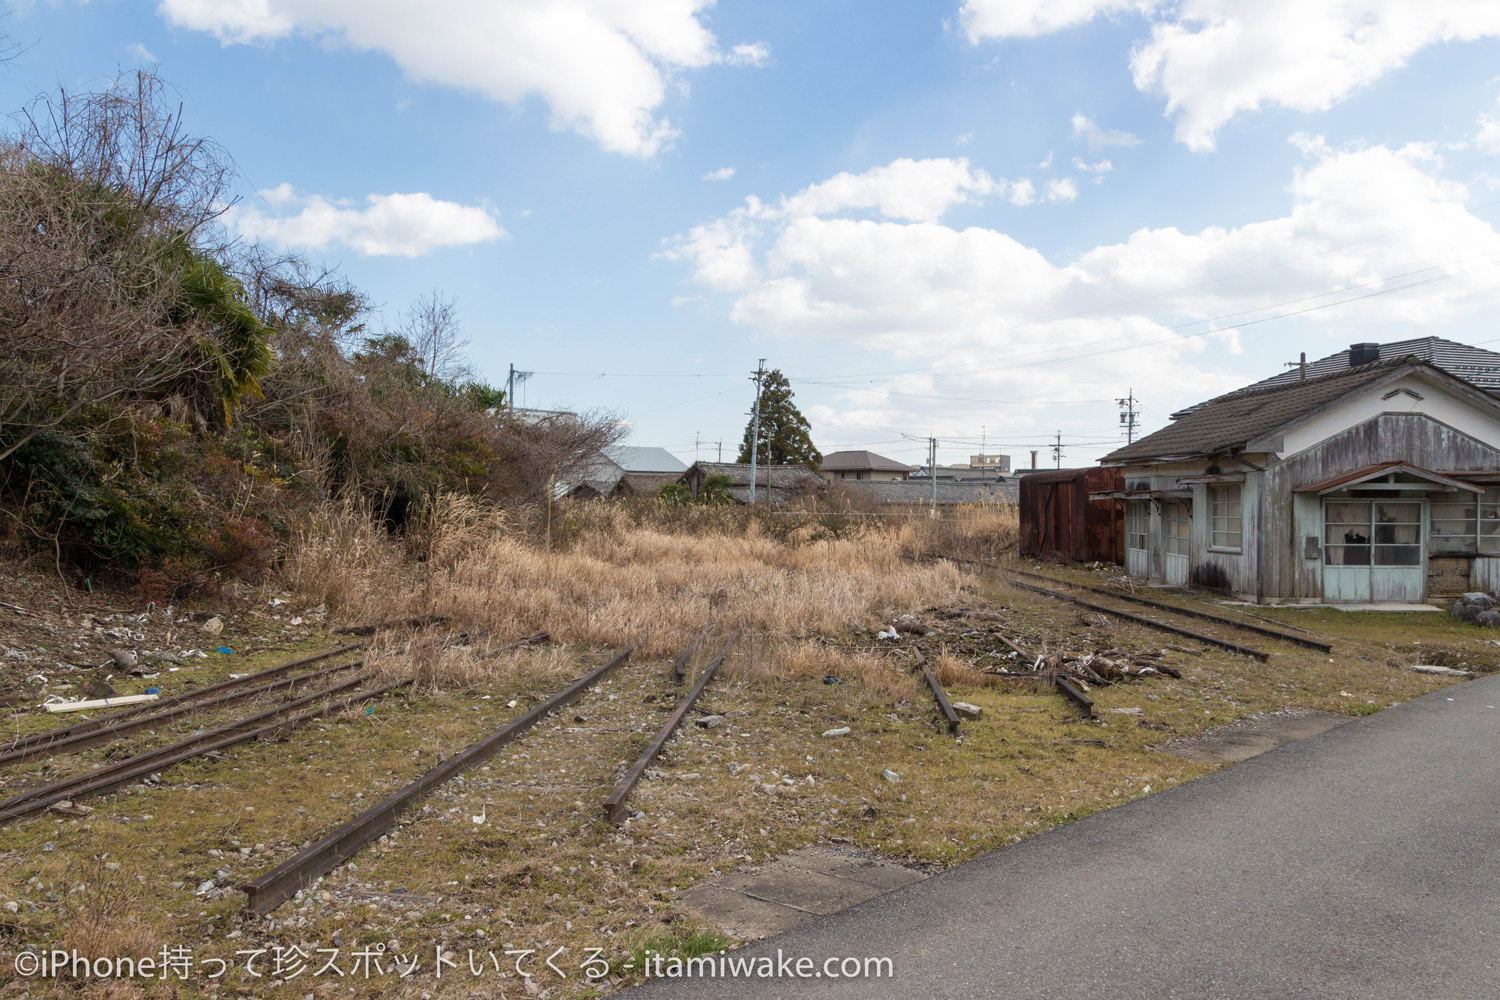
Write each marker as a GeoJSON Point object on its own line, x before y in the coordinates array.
{"type": "Point", "coordinates": [645, 484]}
{"type": "Point", "coordinates": [861, 461]}
{"type": "Point", "coordinates": [1472, 364]}
{"type": "Point", "coordinates": [948, 494]}
{"type": "Point", "coordinates": [775, 476]}
{"type": "Point", "coordinates": [1230, 421]}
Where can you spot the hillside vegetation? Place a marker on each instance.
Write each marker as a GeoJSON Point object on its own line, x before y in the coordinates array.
{"type": "Point", "coordinates": [175, 405]}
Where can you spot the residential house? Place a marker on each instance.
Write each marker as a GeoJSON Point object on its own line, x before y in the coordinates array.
{"type": "Point", "coordinates": [863, 466]}
{"type": "Point", "coordinates": [1376, 482]}
{"type": "Point", "coordinates": [774, 484]}
{"type": "Point", "coordinates": [626, 471]}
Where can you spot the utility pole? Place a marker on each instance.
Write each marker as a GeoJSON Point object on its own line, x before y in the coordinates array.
{"type": "Point", "coordinates": [695, 445]}
{"type": "Point", "coordinates": [932, 468]}
{"type": "Point", "coordinates": [760, 373]}
{"type": "Point", "coordinates": [1129, 415]}
{"type": "Point", "coordinates": [721, 451]}
{"type": "Point", "coordinates": [1057, 450]}
{"type": "Point", "coordinates": [510, 387]}
{"type": "Point", "coordinates": [1301, 365]}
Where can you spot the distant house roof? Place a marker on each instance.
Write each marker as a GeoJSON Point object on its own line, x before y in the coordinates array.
{"type": "Point", "coordinates": [948, 494]}
{"type": "Point", "coordinates": [1231, 421]}
{"type": "Point", "coordinates": [645, 484]}
{"type": "Point", "coordinates": [1472, 364]}
{"type": "Point", "coordinates": [779, 480]}
{"type": "Point", "coordinates": [861, 461]}
{"type": "Point", "coordinates": [645, 459]}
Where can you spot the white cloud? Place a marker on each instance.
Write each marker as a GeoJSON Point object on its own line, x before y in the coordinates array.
{"type": "Point", "coordinates": [752, 54]}
{"type": "Point", "coordinates": [1022, 192]}
{"type": "Point", "coordinates": [398, 225]}
{"type": "Point", "coordinates": [1028, 18]}
{"type": "Point", "coordinates": [963, 139]}
{"type": "Point", "coordinates": [1212, 59]}
{"type": "Point", "coordinates": [602, 68]}
{"type": "Point", "coordinates": [903, 189]}
{"type": "Point", "coordinates": [906, 284]}
{"type": "Point", "coordinates": [1060, 189]}
{"type": "Point", "coordinates": [1098, 169]}
{"type": "Point", "coordinates": [1046, 163]}
{"type": "Point", "coordinates": [1487, 140]}
{"type": "Point", "coordinates": [722, 174]}
{"type": "Point", "coordinates": [140, 54]}
{"type": "Point", "coordinates": [1084, 128]}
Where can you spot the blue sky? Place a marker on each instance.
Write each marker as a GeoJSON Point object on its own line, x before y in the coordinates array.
{"type": "Point", "coordinates": [979, 220]}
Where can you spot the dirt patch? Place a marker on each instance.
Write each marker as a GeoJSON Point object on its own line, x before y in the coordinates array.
{"type": "Point", "coordinates": [1253, 736]}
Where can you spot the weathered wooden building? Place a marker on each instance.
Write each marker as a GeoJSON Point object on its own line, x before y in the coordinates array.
{"type": "Point", "coordinates": [1059, 520]}
{"type": "Point", "coordinates": [1379, 482]}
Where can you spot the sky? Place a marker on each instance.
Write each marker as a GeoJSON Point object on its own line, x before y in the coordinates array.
{"type": "Point", "coordinates": [984, 221]}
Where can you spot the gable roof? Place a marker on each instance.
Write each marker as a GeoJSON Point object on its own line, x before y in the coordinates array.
{"type": "Point", "coordinates": [1231, 421]}
{"type": "Point", "coordinates": [1472, 364]}
{"type": "Point", "coordinates": [861, 461]}
{"type": "Point", "coordinates": [775, 476]}
{"type": "Point", "coordinates": [644, 459]}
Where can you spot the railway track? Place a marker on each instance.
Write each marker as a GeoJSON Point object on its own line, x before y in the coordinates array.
{"type": "Point", "coordinates": [1159, 622]}
{"type": "Point", "coordinates": [1176, 609]}
{"type": "Point", "coordinates": [92, 732]}
{"type": "Point", "coordinates": [270, 722]}
{"type": "Point", "coordinates": [265, 893]}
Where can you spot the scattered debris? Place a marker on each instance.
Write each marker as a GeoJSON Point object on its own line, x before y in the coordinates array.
{"type": "Point", "coordinates": [890, 775]}
{"type": "Point", "coordinates": [1428, 668]}
{"type": "Point", "coordinates": [214, 625]}
{"type": "Point", "coordinates": [840, 731]}
{"type": "Point", "coordinates": [83, 706]}
{"type": "Point", "coordinates": [420, 621]}
{"type": "Point", "coordinates": [125, 660]}
{"type": "Point", "coordinates": [710, 721]}
{"type": "Point", "coordinates": [889, 634]}
{"type": "Point", "coordinates": [965, 709]}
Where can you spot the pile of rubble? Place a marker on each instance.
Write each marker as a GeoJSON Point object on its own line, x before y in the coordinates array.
{"type": "Point", "coordinates": [1477, 609]}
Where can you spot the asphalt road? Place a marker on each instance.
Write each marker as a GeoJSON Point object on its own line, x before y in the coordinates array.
{"type": "Point", "coordinates": [1363, 862]}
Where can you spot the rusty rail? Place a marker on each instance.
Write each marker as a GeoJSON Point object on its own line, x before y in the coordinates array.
{"type": "Point", "coordinates": [284, 881]}
{"type": "Point", "coordinates": [938, 693]}
{"type": "Point", "coordinates": [614, 805]}
{"type": "Point", "coordinates": [123, 772]}
{"type": "Point", "coordinates": [196, 694]}
{"type": "Point", "coordinates": [105, 734]}
{"type": "Point", "coordinates": [1210, 640]}
{"type": "Point", "coordinates": [679, 665]}
{"type": "Point", "coordinates": [1076, 696]}
{"type": "Point", "coordinates": [1190, 612]}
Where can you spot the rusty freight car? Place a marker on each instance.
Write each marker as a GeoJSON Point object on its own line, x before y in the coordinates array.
{"type": "Point", "coordinates": [1059, 521]}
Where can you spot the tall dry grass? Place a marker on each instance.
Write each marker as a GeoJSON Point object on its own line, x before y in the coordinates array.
{"type": "Point", "coordinates": [621, 578]}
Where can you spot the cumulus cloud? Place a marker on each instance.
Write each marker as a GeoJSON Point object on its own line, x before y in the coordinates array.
{"type": "Point", "coordinates": [602, 68]}
{"type": "Point", "coordinates": [1085, 128]}
{"type": "Point", "coordinates": [386, 225]}
{"type": "Point", "coordinates": [1487, 139]}
{"type": "Point", "coordinates": [1213, 59]}
{"type": "Point", "coordinates": [987, 305]}
{"type": "Point", "coordinates": [722, 174]}
{"type": "Point", "coordinates": [1060, 189]}
{"type": "Point", "coordinates": [1098, 169]}
{"type": "Point", "coordinates": [983, 19]}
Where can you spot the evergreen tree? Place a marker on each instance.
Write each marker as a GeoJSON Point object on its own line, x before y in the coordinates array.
{"type": "Point", "coordinates": [784, 434]}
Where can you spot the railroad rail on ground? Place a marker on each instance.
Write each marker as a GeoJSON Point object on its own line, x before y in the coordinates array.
{"type": "Point", "coordinates": [270, 890]}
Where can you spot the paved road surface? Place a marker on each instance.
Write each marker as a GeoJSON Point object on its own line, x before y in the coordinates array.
{"type": "Point", "coordinates": [1364, 862]}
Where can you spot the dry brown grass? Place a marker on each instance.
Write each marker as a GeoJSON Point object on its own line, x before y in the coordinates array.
{"type": "Point", "coordinates": [618, 580]}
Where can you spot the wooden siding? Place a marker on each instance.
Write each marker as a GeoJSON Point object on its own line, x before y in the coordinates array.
{"type": "Point", "coordinates": [1059, 520]}
{"type": "Point", "coordinates": [1291, 518]}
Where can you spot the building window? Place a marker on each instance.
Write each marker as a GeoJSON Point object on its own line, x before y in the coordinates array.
{"type": "Point", "coordinates": [1136, 521]}
{"type": "Point", "coordinates": [1177, 525]}
{"type": "Point", "coordinates": [1395, 526]}
{"type": "Point", "coordinates": [1224, 509]}
{"type": "Point", "coordinates": [1466, 523]}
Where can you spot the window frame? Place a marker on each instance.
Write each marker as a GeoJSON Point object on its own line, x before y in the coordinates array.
{"type": "Point", "coordinates": [1221, 539]}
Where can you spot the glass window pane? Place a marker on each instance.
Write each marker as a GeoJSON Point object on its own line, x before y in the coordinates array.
{"type": "Point", "coordinates": [1398, 555]}
{"type": "Point", "coordinates": [1356, 512]}
{"type": "Point", "coordinates": [1398, 534]}
{"type": "Point", "coordinates": [1347, 534]}
{"type": "Point", "coordinates": [1397, 513]}
{"type": "Point", "coordinates": [1347, 555]}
